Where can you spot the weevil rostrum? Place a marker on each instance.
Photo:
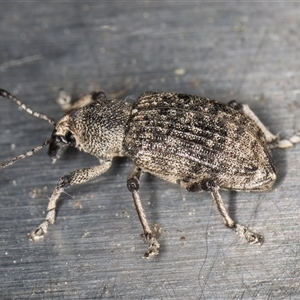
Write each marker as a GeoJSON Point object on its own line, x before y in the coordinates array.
{"type": "Point", "coordinates": [198, 143]}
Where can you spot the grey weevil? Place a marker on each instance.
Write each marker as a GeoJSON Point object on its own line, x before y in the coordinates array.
{"type": "Point", "coordinates": [198, 143]}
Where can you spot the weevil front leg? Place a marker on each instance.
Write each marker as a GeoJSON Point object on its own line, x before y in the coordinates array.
{"type": "Point", "coordinates": [133, 184]}
{"type": "Point", "coordinates": [64, 100]}
{"type": "Point", "coordinates": [272, 139]}
{"type": "Point", "coordinates": [250, 236]}
{"type": "Point", "coordinates": [73, 178]}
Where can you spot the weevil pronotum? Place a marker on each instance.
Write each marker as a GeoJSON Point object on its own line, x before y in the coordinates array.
{"type": "Point", "coordinates": [198, 143]}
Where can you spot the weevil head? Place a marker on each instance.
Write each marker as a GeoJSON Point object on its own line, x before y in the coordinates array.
{"type": "Point", "coordinates": [61, 137]}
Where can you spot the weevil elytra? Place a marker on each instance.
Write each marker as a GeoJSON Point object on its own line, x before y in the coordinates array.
{"type": "Point", "coordinates": [200, 144]}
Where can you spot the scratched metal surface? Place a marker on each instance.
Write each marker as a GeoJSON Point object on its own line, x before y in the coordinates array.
{"type": "Point", "coordinates": [244, 51]}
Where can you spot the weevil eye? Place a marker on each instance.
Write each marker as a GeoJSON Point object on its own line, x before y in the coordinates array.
{"type": "Point", "coordinates": [67, 139]}
{"type": "Point", "coordinates": [70, 139]}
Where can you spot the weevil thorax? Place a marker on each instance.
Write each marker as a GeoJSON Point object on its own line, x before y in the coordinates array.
{"type": "Point", "coordinates": [97, 128]}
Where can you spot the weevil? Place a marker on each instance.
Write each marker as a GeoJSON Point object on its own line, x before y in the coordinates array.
{"type": "Point", "coordinates": [198, 143]}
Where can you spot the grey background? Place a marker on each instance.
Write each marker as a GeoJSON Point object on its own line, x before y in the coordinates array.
{"type": "Point", "coordinates": [247, 51]}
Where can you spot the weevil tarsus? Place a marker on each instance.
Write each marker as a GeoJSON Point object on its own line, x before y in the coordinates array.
{"type": "Point", "coordinates": [64, 100]}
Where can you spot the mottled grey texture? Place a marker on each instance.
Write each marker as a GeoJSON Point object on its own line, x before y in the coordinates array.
{"type": "Point", "coordinates": [186, 139]}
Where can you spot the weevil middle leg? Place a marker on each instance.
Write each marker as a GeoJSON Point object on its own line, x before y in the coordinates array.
{"type": "Point", "coordinates": [133, 184]}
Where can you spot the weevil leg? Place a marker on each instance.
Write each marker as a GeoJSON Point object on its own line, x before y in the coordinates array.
{"type": "Point", "coordinates": [250, 236]}
{"type": "Point", "coordinates": [272, 139]}
{"type": "Point", "coordinates": [133, 184]}
{"type": "Point", "coordinates": [73, 178]}
{"type": "Point", "coordinates": [64, 100]}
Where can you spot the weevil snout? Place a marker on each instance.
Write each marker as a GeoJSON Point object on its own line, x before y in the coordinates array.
{"type": "Point", "coordinates": [59, 142]}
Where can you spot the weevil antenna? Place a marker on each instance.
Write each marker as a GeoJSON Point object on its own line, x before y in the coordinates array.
{"type": "Point", "coordinates": [7, 95]}
{"type": "Point", "coordinates": [22, 156]}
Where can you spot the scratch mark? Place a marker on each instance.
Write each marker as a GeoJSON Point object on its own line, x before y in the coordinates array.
{"type": "Point", "coordinates": [20, 61]}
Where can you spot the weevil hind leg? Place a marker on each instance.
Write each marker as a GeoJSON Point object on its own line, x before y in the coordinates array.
{"type": "Point", "coordinates": [273, 140]}
{"type": "Point", "coordinates": [133, 184]}
{"type": "Point", "coordinates": [250, 236]}
{"type": "Point", "coordinates": [73, 178]}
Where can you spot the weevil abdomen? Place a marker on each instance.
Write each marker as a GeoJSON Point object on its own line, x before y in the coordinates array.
{"type": "Point", "coordinates": [185, 138]}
